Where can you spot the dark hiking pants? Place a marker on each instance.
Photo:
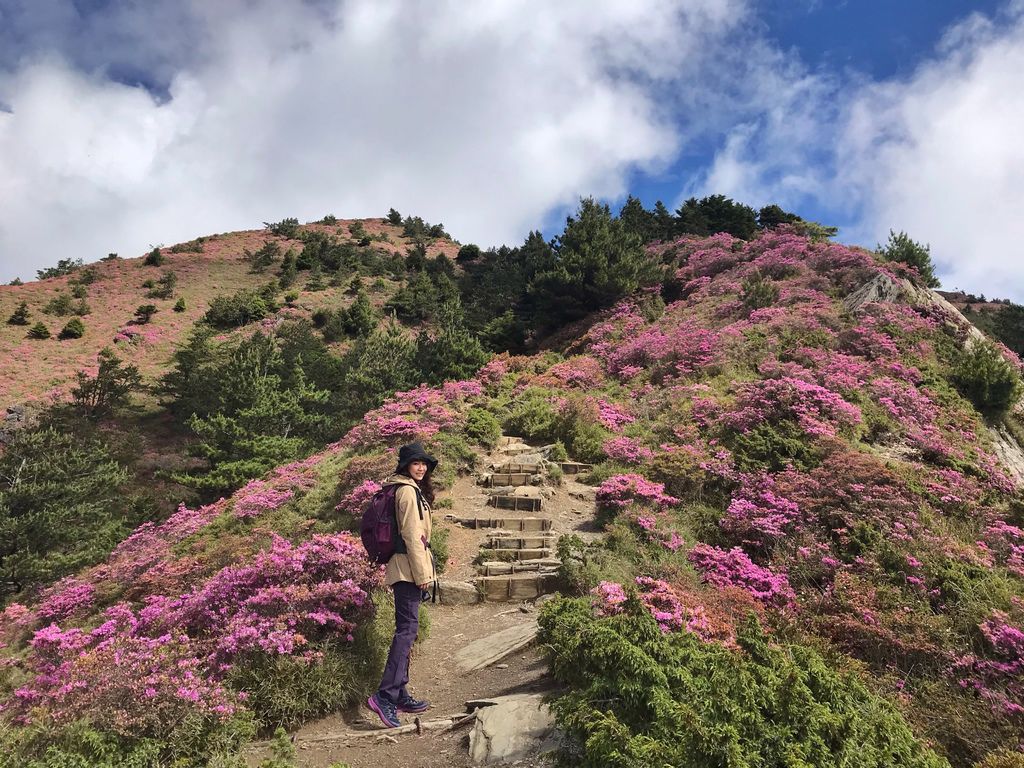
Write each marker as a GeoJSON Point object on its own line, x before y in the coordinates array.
{"type": "Point", "coordinates": [407, 616]}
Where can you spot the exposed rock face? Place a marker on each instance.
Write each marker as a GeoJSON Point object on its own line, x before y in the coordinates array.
{"type": "Point", "coordinates": [889, 289]}
{"type": "Point", "coordinates": [14, 418]}
{"type": "Point", "coordinates": [1009, 452]}
{"type": "Point", "coordinates": [512, 728]}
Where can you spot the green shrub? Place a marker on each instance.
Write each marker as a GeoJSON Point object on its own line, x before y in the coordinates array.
{"type": "Point", "coordinates": [74, 329]}
{"type": "Point", "coordinates": [39, 331]}
{"type": "Point", "coordinates": [482, 427]}
{"type": "Point", "coordinates": [558, 452]}
{"type": "Point", "coordinates": [532, 416]}
{"type": "Point", "coordinates": [144, 313]}
{"type": "Point", "coordinates": [179, 305]}
{"type": "Point", "coordinates": [237, 310]}
{"type": "Point", "coordinates": [759, 292]}
{"type": "Point", "coordinates": [196, 742]}
{"type": "Point", "coordinates": [59, 305]}
{"type": "Point", "coordinates": [772, 446]}
{"type": "Point", "coordinates": [288, 227]}
{"type": "Point", "coordinates": [64, 267]}
{"type": "Point", "coordinates": [439, 546]}
{"type": "Point", "coordinates": [154, 258]}
{"type": "Point", "coordinates": [79, 291]}
{"type": "Point", "coordinates": [641, 697]}
{"type": "Point", "coordinates": [900, 248]}
{"type": "Point", "coordinates": [987, 379]}
{"type": "Point", "coordinates": [192, 246]}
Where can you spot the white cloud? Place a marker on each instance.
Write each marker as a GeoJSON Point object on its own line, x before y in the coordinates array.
{"type": "Point", "coordinates": [937, 154]}
{"type": "Point", "coordinates": [940, 156]}
{"type": "Point", "coordinates": [485, 120]}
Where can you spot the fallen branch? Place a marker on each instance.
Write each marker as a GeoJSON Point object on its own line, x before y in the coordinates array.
{"type": "Point", "coordinates": [418, 727]}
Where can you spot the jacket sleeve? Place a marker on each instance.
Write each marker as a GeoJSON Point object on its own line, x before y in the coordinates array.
{"type": "Point", "coordinates": [413, 533]}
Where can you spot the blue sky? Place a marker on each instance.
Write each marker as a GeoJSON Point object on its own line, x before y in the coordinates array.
{"type": "Point", "coordinates": [127, 124]}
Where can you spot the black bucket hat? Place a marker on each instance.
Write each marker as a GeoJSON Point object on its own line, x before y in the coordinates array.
{"type": "Point", "coordinates": [407, 454]}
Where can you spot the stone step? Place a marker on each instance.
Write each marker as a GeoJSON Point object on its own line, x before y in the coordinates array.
{"type": "Point", "coordinates": [574, 467]}
{"type": "Point", "coordinates": [517, 449]}
{"type": "Point", "coordinates": [499, 568]}
{"type": "Point", "coordinates": [487, 650]}
{"type": "Point", "coordinates": [525, 586]}
{"type": "Point", "coordinates": [506, 540]}
{"type": "Point", "coordinates": [505, 523]}
{"type": "Point", "coordinates": [508, 440]}
{"type": "Point", "coordinates": [514, 468]}
{"type": "Point", "coordinates": [523, 503]}
{"type": "Point", "coordinates": [502, 479]}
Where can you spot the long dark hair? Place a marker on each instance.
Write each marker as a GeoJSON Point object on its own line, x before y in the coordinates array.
{"type": "Point", "coordinates": [425, 485]}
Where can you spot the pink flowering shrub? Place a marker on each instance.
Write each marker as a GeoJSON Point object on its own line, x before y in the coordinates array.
{"type": "Point", "coordinates": [757, 514]}
{"type": "Point", "coordinates": [354, 502]}
{"type": "Point", "coordinates": [733, 568]}
{"type": "Point", "coordinates": [999, 680]}
{"type": "Point", "coordinates": [819, 412]}
{"type": "Point", "coordinates": [258, 497]}
{"type": "Point", "coordinates": [626, 450]}
{"type": "Point", "coordinates": [140, 666]}
{"type": "Point", "coordinates": [620, 491]}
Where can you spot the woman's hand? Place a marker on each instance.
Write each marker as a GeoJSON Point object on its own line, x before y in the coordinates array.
{"type": "Point", "coordinates": [423, 587]}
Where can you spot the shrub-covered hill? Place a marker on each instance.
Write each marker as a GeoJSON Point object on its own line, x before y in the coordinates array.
{"type": "Point", "coordinates": [180, 283]}
{"type": "Point", "coordinates": [814, 549]}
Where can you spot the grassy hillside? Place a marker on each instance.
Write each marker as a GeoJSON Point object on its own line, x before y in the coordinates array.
{"type": "Point", "coordinates": [38, 371]}
{"type": "Point", "coordinates": [812, 552]}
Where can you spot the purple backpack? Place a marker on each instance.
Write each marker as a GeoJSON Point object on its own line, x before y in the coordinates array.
{"type": "Point", "coordinates": [379, 528]}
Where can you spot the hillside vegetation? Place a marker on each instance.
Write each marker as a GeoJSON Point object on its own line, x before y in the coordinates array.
{"type": "Point", "coordinates": [814, 534]}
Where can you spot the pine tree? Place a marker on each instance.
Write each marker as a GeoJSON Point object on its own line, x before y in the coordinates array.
{"type": "Point", "coordinates": [379, 365]}
{"type": "Point", "coordinates": [598, 262]}
{"type": "Point", "coordinates": [61, 506]}
{"type": "Point", "coordinates": [19, 316]}
{"type": "Point", "coordinates": [900, 247]}
{"type": "Point", "coordinates": [453, 353]}
{"type": "Point", "coordinates": [74, 329]}
{"type": "Point", "coordinates": [39, 331]}
{"type": "Point", "coordinates": [109, 389]}
{"type": "Point", "coordinates": [264, 416]}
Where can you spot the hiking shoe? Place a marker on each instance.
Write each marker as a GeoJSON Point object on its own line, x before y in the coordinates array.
{"type": "Point", "coordinates": [385, 709]}
{"type": "Point", "coordinates": [408, 704]}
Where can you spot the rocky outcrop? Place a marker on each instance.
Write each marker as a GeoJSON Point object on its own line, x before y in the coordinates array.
{"type": "Point", "coordinates": [510, 728]}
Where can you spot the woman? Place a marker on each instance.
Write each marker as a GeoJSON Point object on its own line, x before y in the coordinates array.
{"type": "Point", "coordinates": [410, 571]}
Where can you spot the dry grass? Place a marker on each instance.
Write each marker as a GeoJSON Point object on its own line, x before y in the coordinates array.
{"type": "Point", "coordinates": [39, 371]}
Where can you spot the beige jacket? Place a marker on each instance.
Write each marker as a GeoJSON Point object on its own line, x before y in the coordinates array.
{"type": "Point", "coordinates": [418, 565]}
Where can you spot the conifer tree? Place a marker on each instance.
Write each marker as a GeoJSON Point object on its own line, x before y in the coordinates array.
{"type": "Point", "coordinates": [452, 353]}
{"type": "Point", "coordinates": [380, 364]}
{"type": "Point", "coordinates": [19, 316]}
{"type": "Point", "coordinates": [264, 415]}
{"type": "Point", "coordinates": [109, 389]}
{"type": "Point", "coordinates": [61, 506]}
{"type": "Point", "coordinates": [39, 331]}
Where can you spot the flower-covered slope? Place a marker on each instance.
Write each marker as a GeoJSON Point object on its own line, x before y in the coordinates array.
{"type": "Point", "coordinates": [760, 447]}
{"type": "Point", "coordinates": [807, 457]}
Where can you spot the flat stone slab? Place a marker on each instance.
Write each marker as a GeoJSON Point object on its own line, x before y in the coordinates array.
{"type": "Point", "coordinates": [510, 728]}
{"type": "Point", "coordinates": [522, 586]}
{"type": "Point", "coordinates": [493, 648]}
{"type": "Point", "coordinates": [506, 523]}
{"type": "Point", "coordinates": [457, 593]}
{"type": "Point", "coordinates": [513, 468]}
{"type": "Point", "coordinates": [574, 467]}
{"type": "Point", "coordinates": [510, 478]}
{"type": "Point", "coordinates": [524, 503]}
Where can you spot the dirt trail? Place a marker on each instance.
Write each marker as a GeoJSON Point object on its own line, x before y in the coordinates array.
{"type": "Point", "coordinates": [433, 674]}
